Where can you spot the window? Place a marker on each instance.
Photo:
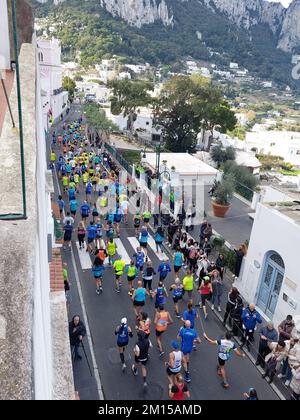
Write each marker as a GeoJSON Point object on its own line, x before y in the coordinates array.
{"type": "Point", "coordinates": [276, 258]}
{"type": "Point", "coordinates": [298, 152]}
{"type": "Point", "coordinates": [41, 57]}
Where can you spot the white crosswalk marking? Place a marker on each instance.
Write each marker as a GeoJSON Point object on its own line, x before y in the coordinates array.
{"type": "Point", "coordinates": [84, 257]}
{"type": "Point", "coordinates": [134, 243]}
{"type": "Point", "coordinates": [160, 255]}
{"type": "Point", "coordinates": [122, 251]}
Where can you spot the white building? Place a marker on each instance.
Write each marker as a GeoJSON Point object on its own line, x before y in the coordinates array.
{"type": "Point", "coordinates": [143, 124]}
{"type": "Point", "coordinates": [278, 143]}
{"type": "Point", "coordinates": [233, 66]}
{"type": "Point", "coordinates": [270, 278]}
{"type": "Point", "coordinates": [55, 99]}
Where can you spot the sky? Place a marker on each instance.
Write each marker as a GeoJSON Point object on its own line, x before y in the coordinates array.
{"type": "Point", "coordinates": [285, 3]}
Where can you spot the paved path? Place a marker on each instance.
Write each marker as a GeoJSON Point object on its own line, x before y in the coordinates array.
{"type": "Point", "coordinates": [104, 313]}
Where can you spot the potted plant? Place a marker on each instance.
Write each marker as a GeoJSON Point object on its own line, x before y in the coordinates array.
{"type": "Point", "coordinates": [222, 196]}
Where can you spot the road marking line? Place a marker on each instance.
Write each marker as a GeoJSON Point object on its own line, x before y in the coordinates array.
{"type": "Point", "coordinates": [122, 251]}
{"type": "Point", "coordinates": [161, 256]}
{"type": "Point", "coordinates": [88, 332]}
{"type": "Point", "coordinates": [134, 243]}
{"type": "Point", "coordinates": [84, 258]}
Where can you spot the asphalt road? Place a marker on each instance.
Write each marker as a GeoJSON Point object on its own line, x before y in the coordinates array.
{"type": "Point", "coordinates": [104, 313]}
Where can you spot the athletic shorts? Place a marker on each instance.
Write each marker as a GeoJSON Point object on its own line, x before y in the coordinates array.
{"type": "Point", "coordinates": [186, 353]}
{"type": "Point", "coordinates": [137, 226]}
{"type": "Point", "coordinates": [143, 244]}
{"type": "Point", "coordinates": [130, 278]}
{"type": "Point", "coordinates": [159, 333]}
{"type": "Point", "coordinates": [122, 344]}
{"type": "Point", "coordinates": [73, 212]}
{"type": "Point", "coordinates": [143, 362]}
{"type": "Point", "coordinates": [170, 373]}
{"type": "Point", "coordinates": [138, 303]}
{"type": "Point", "coordinates": [90, 240]}
{"type": "Point", "coordinates": [157, 305]}
{"type": "Point", "coordinates": [189, 293]}
{"type": "Point", "coordinates": [177, 268]}
{"type": "Point", "coordinates": [176, 298]}
{"type": "Point", "coordinates": [221, 362]}
{"type": "Point", "coordinates": [146, 219]}
{"type": "Point", "coordinates": [118, 276]}
{"type": "Point", "coordinates": [204, 298]}
{"type": "Point", "coordinates": [140, 267]}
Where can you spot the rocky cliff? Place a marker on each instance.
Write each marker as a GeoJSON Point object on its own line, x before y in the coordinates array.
{"type": "Point", "coordinates": [139, 12]}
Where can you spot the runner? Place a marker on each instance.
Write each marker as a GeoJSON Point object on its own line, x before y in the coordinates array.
{"type": "Point", "coordinates": [111, 251]}
{"type": "Point", "coordinates": [146, 217]}
{"type": "Point", "coordinates": [159, 238]}
{"type": "Point", "coordinates": [141, 350]}
{"type": "Point", "coordinates": [137, 223]}
{"type": "Point", "coordinates": [226, 345]}
{"type": "Point", "coordinates": [91, 236]}
{"type": "Point", "coordinates": [188, 337]}
{"type": "Point", "coordinates": [179, 390]}
{"type": "Point", "coordinates": [139, 259]}
{"type": "Point", "coordinates": [98, 269]}
{"type": "Point", "coordinates": [61, 205]}
{"type": "Point", "coordinates": [160, 295]}
{"type": "Point", "coordinates": [205, 291]}
{"type": "Point", "coordinates": [118, 216]}
{"type": "Point", "coordinates": [85, 211]}
{"type": "Point", "coordinates": [139, 298]}
{"type": "Point", "coordinates": [143, 238]}
{"type": "Point", "coordinates": [81, 234]}
{"type": "Point", "coordinates": [73, 207]}
{"type": "Point", "coordinates": [188, 284]}
{"type": "Point", "coordinates": [119, 266]}
{"type": "Point", "coordinates": [68, 229]}
{"type": "Point", "coordinates": [145, 325]}
{"type": "Point", "coordinates": [174, 365]}
{"type": "Point", "coordinates": [178, 261]}
{"type": "Point", "coordinates": [177, 294]}
{"type": "Point", "coordinates": [123, 332]}
{"type": "Point", "coordinates": [148, 277]}
{"type": "Point", "coordinates": [162, 320]}
{"type": "Point", "coordinates": [163, 269]}
{"type": "Point", "coordinates": [132, 273]}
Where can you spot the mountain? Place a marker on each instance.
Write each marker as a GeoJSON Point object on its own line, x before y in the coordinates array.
{"type": "Point", "coordinates": [258, 34]}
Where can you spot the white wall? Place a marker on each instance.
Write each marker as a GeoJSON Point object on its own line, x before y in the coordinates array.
{"type": "Point", "coordinates": [272, 231]}
{"type": "Point", "coordinates": [4, 44]}
{"type": "Point", "coordinates": [42, 345]}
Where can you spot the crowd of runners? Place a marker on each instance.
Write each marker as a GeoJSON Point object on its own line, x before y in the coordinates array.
{"type": "Point", "coordinates": [108, 200]}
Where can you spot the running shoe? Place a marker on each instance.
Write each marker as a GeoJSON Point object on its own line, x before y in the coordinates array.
{"type": "Point", "coordinates": [187, 377]}
{"type": "Point", "coordinates": [134, 370]}
{"type": "Point", "coordinates": [98, 292]}
{"type": "Point", "coordinates": [123, 367]}
{"type": "Point", "coordinates": [161, 353]}
{"type": "Point", "coordinates": [225, 385]}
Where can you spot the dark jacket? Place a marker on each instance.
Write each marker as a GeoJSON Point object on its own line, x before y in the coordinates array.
{"type": "Point", "coordinates": [75, 332]}
{"type": "Point", "coordinates": [285, 330]}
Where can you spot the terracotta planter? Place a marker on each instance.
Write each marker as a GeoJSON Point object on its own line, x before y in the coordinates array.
{"type": "Point", "coordinates": [219, 209]}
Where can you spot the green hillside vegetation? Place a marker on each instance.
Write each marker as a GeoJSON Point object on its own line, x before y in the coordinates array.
{"type": "Point", "coordinates": [83, 26]}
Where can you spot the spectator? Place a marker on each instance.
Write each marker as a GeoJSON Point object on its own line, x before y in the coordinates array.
{"type": "Point", "coordinates": [268, 335]}
{"type": "Point", "coordinates": [217, 289]}
{"type": "Point", "coordinates": [231, 302]}
{"type": "Point", "coordinates": [240, 253]}
{"type": "Point", "coordinates": [292, 360]}
{"type": "Point", "coordinates": [250, 317]}
{"type": "Point", "coordinates": [285, 328]}
{"type": "Point", "coordinates": [236, 314]}
{"type": "Point", "coordinates": [274, 359]}
{"type": "Point", "coordinates": [295, 383]}
{"type": "Point", "coordinates": [76, 333]}
{"type": "Point", "coordinates": [220, 264]}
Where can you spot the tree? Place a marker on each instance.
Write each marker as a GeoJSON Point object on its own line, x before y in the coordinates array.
{"type": "Point", "coordinates": [97, 119]}
{"type": "Point", "coordinates": [187, 104]}
{"type": "Point", "coordinates": [221, 155]}
{"type": "Point", "coordinates": [128, 97]}
{"type": "Point", "coordinates": [174, 112]}
{"type": "Point", "coordinates": [69, 85]}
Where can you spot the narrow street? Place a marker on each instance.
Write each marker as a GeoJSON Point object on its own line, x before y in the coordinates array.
{"type": "Point", "coordinates": [104, 313]}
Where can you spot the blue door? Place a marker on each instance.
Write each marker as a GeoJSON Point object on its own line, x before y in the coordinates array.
{"type": "Point", "coordinates": [271, 283]}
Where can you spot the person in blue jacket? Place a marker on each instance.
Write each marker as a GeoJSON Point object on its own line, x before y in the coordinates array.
{"type": "Point", "coordinates": [250, 317]}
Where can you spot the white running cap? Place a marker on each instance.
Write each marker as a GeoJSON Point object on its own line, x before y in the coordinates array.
{"type": "Point", "coordinates": [124, 321]}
